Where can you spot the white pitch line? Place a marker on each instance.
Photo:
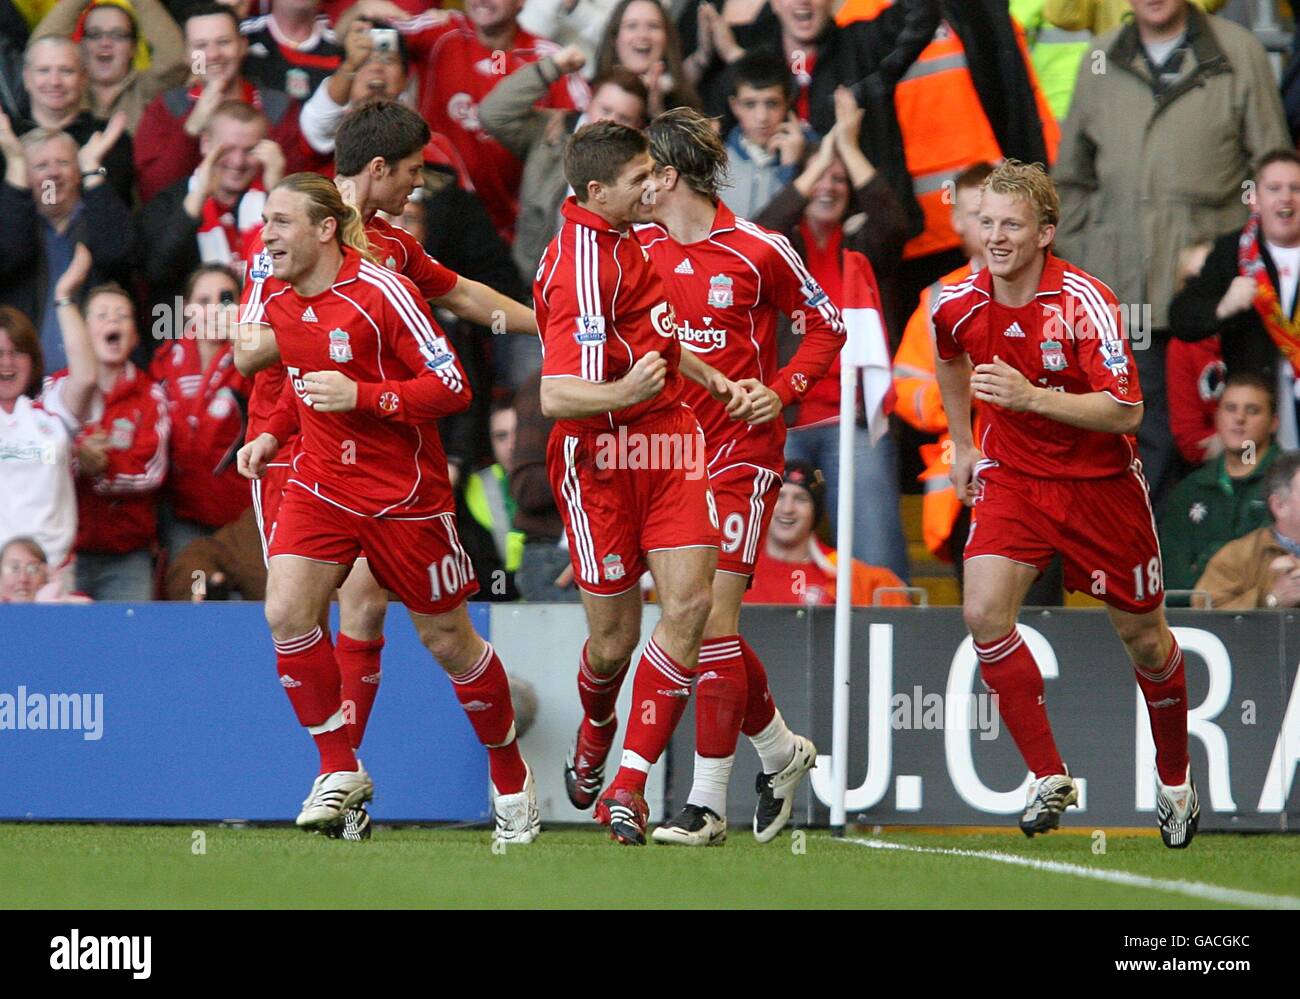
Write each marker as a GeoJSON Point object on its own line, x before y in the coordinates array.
{"type": "Point", "coordinates": [1194, 889]}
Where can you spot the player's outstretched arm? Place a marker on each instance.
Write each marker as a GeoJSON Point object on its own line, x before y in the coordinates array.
{"type": "Point", "coordinates": [477, 303]}
{"type": "Point", "coordinates": [255, 348]}
{"type": "Point", "coordinates": [569, 397]}
{"type": "Point", "coordinates": [1002, 385]}
{"type": "Point", "coordinates": [732, 395]}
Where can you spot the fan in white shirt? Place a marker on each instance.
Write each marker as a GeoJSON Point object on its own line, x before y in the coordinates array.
{"type": "Point", "coordinates": [36, 439]}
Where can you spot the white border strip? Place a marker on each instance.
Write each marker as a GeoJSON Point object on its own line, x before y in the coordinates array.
{"type": "Point", "coordinates": [1193, 889]}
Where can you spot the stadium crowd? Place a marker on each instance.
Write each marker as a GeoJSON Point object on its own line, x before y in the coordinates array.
{"type": "Point", "coordinates": [139, 140]}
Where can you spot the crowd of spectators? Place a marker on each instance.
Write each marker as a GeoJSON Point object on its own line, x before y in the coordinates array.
{"type": "Point", "coordinates": [138, 140]}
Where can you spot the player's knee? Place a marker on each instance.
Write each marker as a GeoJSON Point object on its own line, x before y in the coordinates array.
{"type": "Point", "coordinates": [361, 615]}
{"type": "Point", "coordinates": [689, 610]}
{"type": "Point", "coordinates": [287, 618]}
{"type": "Point", "coordinates": [986, 620]}
{"type": "Point", "coordinates": [607, 652]}
{"type": "Point", "coordinates": [1146, 646]}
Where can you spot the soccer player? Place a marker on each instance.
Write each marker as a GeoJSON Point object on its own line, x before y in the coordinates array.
{"type": "Point", "coordinates": [728, 280]}
{"type": "Point", "coordinates": [379, 157]}
{"type": "Point", "coordinates": [1056, 470]}
{"type": "Point", "coordinates": [369, 474]}
{"type": "Point", "coordinates": [612, 373]}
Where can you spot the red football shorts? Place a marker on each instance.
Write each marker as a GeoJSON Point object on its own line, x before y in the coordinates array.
{"type": "Point", "coordinates": [1103, 529]}
{"type": "Point", "coordinates": [629, 491]}
{"type": "Point", "coordinates": [267, 493]}
{"type": "Point", "coordinates": [421, 561]}
{"type": "Point", "coordinates": [746, 497]}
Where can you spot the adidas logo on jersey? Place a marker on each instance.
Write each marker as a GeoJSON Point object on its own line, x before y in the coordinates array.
{"type": "Point", "coordinates": [1014, 330]}
{"type": "Point", "coordinates": [309, 316]}
{"type": "Point", "coordinates": [684, 268]}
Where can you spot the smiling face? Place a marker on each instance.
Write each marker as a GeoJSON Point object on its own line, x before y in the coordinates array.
{"type": "Point", "coordinates": [802, 21]}
{"type": "Point", "coordinates": [216, 47]}
{"type": "Point", "coordinates": [54, 76]}
{"type": "Point", "coordinates": [15, 369]}
{"type": "Point", "coordinates": [54, 176]}
{"type": "Point", "coordinates": [391, 185]}
{"type": "Point", "coordinates": [792, 520]}
{"type": "Point", "coordinates": [642, 37]}
{"type": "Point", "coordinates": [108, 44]}
{"type": "Point", "coordinates": [110, 321]}
{"type": "Point", "coordinates": [630, 199]}
{"type": "Point", "coordinates": [293, 241]}
{"type": "Point", "coordinates": [1245, 419]}
{"type": "Point", "coordinates": [1277, 197]}
{"type": "Point", "coordinates": [238, 168]}
{"type": "Point", "coordinates": [1013, 240]}
{"type": "Point", "coordinates": [829, 198]}
{"type": "Point", "coordinates": [22, 574]}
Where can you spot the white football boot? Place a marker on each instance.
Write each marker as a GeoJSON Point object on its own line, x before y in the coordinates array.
{"type": "Point", "coordinates": [517, 817]}
{"type": "Point", "coordinates": [1178, 811]}
{"type": "Point", "coordinates": [332, 794]}
{"type": "Point", "coordinates": [776, 791]}
{"type": "Point", "coordinates": [694, 825]}
{"type": "Point", "coordinates": [1048, 797]}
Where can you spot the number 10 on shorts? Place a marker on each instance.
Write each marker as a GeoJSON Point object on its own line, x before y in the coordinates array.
{"type": "Point", "coordinates": [445, 576]}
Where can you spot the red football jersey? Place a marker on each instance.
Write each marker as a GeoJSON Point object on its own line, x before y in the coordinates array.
{"type": "Point", "coordinates": [1070, 338]}
{"type": "Point", "coordinates": [456, 72]}
{"type": "Point", "coordinates": [391, 245]}
{"type": "Point", "coordinates": [726, 291]}
{"type": "Point", "coordinates": [384, 458]}
{"type": "Point", "coordinates": [207, 408]}
{"type": "Point", "coordinates": [600, 306]}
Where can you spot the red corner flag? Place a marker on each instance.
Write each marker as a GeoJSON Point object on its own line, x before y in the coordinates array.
{"type": "Point", "coordinates": [867, 346]}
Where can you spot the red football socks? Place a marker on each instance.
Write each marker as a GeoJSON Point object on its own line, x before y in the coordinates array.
{"type": "Point", "coordinates": [310, 676]}
{"type": "Point", "coordinates": [760, 709]}
{"type": "Point", "coordinates": [660, 690]}
{"type": "Point", "coordinates": [598, 695]}
{"type": "Point", "coordinates": [1165, 692]}
{"type": "Point", "coordinates": [359, 667]}
{"type": "Point", "coordinates": [721, 687]}
{"type": "Point", "coordinates": [484, 692]}
{"type": "Point", "coordinates": [1009, 670]}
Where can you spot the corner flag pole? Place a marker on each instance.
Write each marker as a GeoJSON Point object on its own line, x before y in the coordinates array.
{"type": "Point", "coordinates": [866, 349]}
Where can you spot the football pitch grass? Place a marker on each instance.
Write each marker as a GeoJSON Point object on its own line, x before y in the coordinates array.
{"type": "Point", "coordinates": [104, 866]}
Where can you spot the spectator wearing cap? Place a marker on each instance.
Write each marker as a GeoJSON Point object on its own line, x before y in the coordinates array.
{"type": "Point", "coordinates": [207, 402]}
{"type": "Point", "coordinates": [36, 435]}
{"type": "Point", "coordinates": [1225, 498]}
{"type": "Point", "coordinates": [169, 147]}
{"type": "Point", "coordinates": [365, 72]}
{"type": "Point", "coordinates": [124, 75]}
{"type": "Point", "coordinates": [25, 576]}
{"type": "Point", "coordinates": [795, 567]}
{"type": "Point", "coordinates": [52, 198]}
{"type": "Point", "coordinates": [1262, 569]}
{"type": "Point", "coordinates": [460, 58]}
{"type": "Point", "coordinates": [214, 215]}
{"type": "Point", "coordinates": [54, 77]}
{"type": "Point", "coordinates": [121, 455]}
{"type": "Point", "coordinates": [291, 49]}
{"type": "Point", "coordinates": [537, 135]}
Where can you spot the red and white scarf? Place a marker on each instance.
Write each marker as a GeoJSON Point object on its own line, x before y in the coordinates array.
{"type": "Point", "coordinates": [1285, 332]}
{"type": "Point", "coordinates": [225, 233]}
